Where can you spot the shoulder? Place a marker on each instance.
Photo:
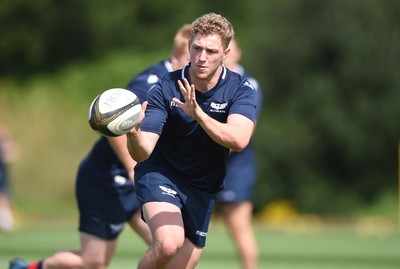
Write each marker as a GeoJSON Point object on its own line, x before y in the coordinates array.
{"type": "Point", "coordinates": [252, 80]}
{"type": "Point", "coordinates": [167, 84]}
{"type": "Point", "coordinates": [169, 80]}
{"type": "Point", "coordinates": [152, 74]}
{"type": "Point", "coordinates": [141, 83]}
{"type": "Point", "coordinates": [236, 80]}
{"type": "Point", "coordinates": [240, 70]}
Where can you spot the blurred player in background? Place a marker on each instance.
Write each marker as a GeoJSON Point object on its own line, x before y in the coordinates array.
{"type": "Point", "coordinates": [193, 116]}
{"type": "Point", "coordinates": [178, 59]}
{"type": "Point", "coordinates": [240, 179]}
{"type": "Point", "coordinates": [104, 188]}
{"type": "Point", "coordinates": [6, 156]}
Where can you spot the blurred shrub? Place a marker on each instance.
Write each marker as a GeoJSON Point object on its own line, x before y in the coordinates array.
{"type": "Point", "coordinates": [329, 133]}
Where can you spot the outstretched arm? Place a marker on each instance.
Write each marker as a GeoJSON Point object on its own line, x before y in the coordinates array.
{"type": "Point", "coordinates": [141, 144]}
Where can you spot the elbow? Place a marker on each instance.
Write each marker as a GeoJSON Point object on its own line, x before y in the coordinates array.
{"type": "Point", "coordinates": [140, 159]}
{"type": "Point", "coordinates": [239, 145]}
{"type": "Point", "coordinates": [137, 156]}
{"type": "Point", "coordinates": [237, 149]}
{"type": "Point", "coordinates": [240, 138]}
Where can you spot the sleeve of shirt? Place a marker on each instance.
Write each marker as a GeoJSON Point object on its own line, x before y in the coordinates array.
{"type": "Point", "coordinates": [156, 113]}
{"type": "Point", "coordinates": [245, 101]}
{"type": "Point", "coordinates": [259, 94]}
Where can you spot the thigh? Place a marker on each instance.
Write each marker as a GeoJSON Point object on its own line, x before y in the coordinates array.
{"type": "Point", "coordinates": [96, 250]}
{"type": "Point", "coordinates": [140, 227]}
{"type": "Point", "coordinates": [238, 213]}
{"type": "Point", "coordinates": [164, 220]}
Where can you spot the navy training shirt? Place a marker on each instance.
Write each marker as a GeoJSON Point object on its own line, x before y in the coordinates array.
{"type": "Point", "coordinates": [184, 151]}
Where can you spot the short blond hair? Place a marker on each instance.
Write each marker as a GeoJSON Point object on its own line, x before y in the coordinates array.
{"type": "Point", "coordinates": [212, 23]}
{"type": "Point", "coordinates": [181, 39]}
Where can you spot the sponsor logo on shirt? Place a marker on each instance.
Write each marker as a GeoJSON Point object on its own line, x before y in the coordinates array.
{"type": "Point", "coordinates": [167, 191]}
{"type": "Point", "coordinates": [218, 107]}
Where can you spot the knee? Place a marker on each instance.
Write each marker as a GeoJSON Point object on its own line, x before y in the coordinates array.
{"type": "Point", "coordinates": [168, 247]}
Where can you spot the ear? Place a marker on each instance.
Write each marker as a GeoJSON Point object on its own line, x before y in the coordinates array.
{"type": "Point", "coordinates": [226, 53]}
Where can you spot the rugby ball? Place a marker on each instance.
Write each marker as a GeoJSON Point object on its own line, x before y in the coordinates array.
{"type": "Point", "coordinates": [114, 112]}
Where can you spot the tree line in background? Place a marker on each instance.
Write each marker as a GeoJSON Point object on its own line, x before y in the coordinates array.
{"type": "Point", "coordinates": [328, 135]}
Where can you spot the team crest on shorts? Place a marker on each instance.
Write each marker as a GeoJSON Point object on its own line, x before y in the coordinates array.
{"type": "Point", "coordinates": [168, 191]}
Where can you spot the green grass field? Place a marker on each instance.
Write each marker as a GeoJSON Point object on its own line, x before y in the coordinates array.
{"type": "Point", "coordinates": [328, 248]}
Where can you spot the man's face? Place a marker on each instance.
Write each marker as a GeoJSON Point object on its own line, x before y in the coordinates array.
{"type": "Point", "coordinates": [206, 54]}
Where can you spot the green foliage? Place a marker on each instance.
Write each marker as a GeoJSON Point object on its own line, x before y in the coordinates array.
{"type": "Point", "coordinates": [44, 35]}
{"type": "Point", "coordinates": [47, 116]}
{"type": "Point", "coordinates": [329, 132]}
{"type": "Point", "coordinates": [41, 34]}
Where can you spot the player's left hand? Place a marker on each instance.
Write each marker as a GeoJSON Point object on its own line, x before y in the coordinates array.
{"type": "Point", "coordinates": [190, 106]}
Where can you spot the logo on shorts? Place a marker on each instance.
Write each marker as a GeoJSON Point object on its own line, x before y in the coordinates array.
{"type": "Point", "coordinates": [116, 228]}
{"type": "Point", "coordinates": [203, 234]}
{"type": "Point", "coordinates": [167, 191]}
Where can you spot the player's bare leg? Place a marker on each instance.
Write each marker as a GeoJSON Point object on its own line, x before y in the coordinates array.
{"type": "Point", "coordinates": [238, 220]}
{"type": "Point", "coordinates": [187, 257]}
{"type": "Point", "coordinates": [96, 253]}
{"type": "Point", "coordinates": [166, 224]}
{"type": "Point", "coordinates": [141, 227]}
{"type": "Point", "coordinates": [6, 217]}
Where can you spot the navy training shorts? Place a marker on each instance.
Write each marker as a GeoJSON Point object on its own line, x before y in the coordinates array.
{"type": "Point", "coordinates": [106, 201]}
{"type": "Point", "coordinates": [4, 187]}
{"type": "Point", "coordinates": [196, 206]}
{"type": "Point", "coordinates": [240, 178]}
